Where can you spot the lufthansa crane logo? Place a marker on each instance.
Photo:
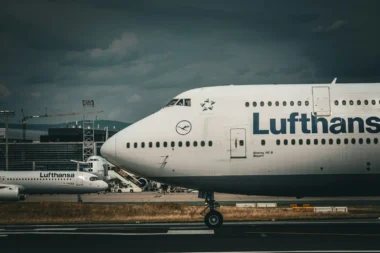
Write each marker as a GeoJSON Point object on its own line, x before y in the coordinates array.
{"type": "Point", "coordinates": [183, 127]}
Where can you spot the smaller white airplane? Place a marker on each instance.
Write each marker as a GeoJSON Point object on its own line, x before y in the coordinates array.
{"type": "Point", "coordinates": [15, 184]}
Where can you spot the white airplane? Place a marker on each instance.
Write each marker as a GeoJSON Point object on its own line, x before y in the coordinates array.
{"type": "Point", "coordinates": [273, 140]}
{"type": "Point", "coordinates": [100, 167]}
{"type": "Point", "coordinates": [14, 184]}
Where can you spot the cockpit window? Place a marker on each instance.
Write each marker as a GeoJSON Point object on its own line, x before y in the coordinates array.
{"type": "Point", "coordinates": [93, 178]}
{"type": "Point", "coordinates": [187, 102]}
{"type": "Point", "coordinates": [171, 103]}
{"type": "Point", "coordinates": [180, 102]}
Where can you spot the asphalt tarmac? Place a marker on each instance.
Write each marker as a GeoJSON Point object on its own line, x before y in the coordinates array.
{"type": "Point", "coordinates": [192, 199]}
{"type": "Point", "coordinates": [279, 236]}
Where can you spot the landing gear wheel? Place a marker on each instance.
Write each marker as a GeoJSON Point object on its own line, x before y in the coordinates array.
{"type": "Point", "coordinates": [213, 219]}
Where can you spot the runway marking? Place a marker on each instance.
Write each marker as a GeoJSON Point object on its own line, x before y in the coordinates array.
{"type": "Point", "coordinates": [55, 229]}
{"type": "Point", "coordinates": [190, 232]}
{"type": "Point", "coordinates": [3, 235]}
{"type": "Point", "coordinates": [263, 235]}
{"type": "Point", "coordinates": [300, 233]}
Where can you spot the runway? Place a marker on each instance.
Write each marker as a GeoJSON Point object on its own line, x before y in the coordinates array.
{"type": "Point", "coordinates": [192, 199]}
{"type": "Point", "coordinates": [316, 236]}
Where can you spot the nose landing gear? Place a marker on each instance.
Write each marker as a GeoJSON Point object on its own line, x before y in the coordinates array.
{"type": "Point", "coordinates": [213, 219]}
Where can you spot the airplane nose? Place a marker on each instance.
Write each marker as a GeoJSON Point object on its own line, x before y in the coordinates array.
{"type": "Point", "coordinates": [108, 149]}
{"type": "Point", "coordinates": [103, 186]}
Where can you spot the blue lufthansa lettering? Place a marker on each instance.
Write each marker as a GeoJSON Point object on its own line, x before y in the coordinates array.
{"type": "Point", "coordinates": [312, 124]}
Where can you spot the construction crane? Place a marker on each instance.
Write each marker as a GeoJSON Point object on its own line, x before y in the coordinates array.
{"type": "Point", "coordinates": [26, 118]}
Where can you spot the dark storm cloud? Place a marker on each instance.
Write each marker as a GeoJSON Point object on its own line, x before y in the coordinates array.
{"type": "Point", "coordinates": [133, 56]}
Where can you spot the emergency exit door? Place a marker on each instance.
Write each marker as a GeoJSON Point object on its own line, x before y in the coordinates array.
{"type": "Point", "coordinates": [238, 143]}
{"type": "Point", "coordinates": [321, 101]}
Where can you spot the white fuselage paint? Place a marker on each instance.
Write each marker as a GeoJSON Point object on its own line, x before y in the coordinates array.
{"type": "Point", "coordinates": [253, 168]}
{"type": "Point", "coordinates": [52, 182]}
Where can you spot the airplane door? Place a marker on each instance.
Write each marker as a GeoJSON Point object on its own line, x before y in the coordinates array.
{"type": "Point", "coordinates": [80, 179]}
{"type": "Point", "coordinates": [238, 143]}
{"type": "Point", "coordinates": [321, 101]}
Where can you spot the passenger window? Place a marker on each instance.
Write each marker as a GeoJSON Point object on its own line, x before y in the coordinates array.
{"type": "Point", "coordinates": [165, 144]}
{"type": "Point", "coordinates": [135, 145]}
{"type": "Point", "coordinates": [291, 103]}
{"type": "Point", "coordinates": [299, 103]}
{"type": "Point", "coordinates": [375, 140]}
{"type": "Point", "coordinates": [300, 142]}
{"type": "Point", "coordinates": [351, 102]}
{"type": "Point", "coordinates": [143, 144]}
{"type": "Point", "coordinates": [373, 102]}
{"type": "Point", "coordinates": [172, 144]}
{"type": "Point", "coordinates": [150, 144]}
{"type": "Point", "coordinates": [315, 141]}
{"type": "Point", "coordinates": [246, 104]}
{"type": "Point", "coordinates": [360, 140]}
{"type": "Point", "coordinates": [331, 141]}
{"type": "Point", "coordinates": [241, 143]}
{"type": "Point", "coordinates": [262, 103]}
{"type": "Point", "coordinates": [173, 102]}
{"type": "Point", "coordinates": [284, 103]}
{"type": "Point", "coordinates": [254, 104]}
{"type": "Point", "coordinates": [187, 102]}
{"type": "Point", "coordinates": [353, 140]}
{"type": "Point", "coordinates": [285, 142]}
{"type": "Point", "coordinates": [188, 144]}
{"type": "Point", "coordinates": [269, 103]}
{"type": "Point", "coordinates": [278, 142]}
{"type": "Point", "coordinates": [157, 144]}
{"type": "Point", "coordinates": [195, 143]}
{"type": "Point", "coordinates": [358, 102]}
{"type": "Point", "coordinates": [308, 141]}
{"type": "Point", "coordinates": [345, 141]}
{"type": "Point", "coordinates": [180, 144]}
{"type": "Point", "coordinates": [366, 102]}
{"type": "Point", "coordinates": [180, 102]}
{"type": "Point", "coordinates": [262, 142]}
{"type": "Point", "coordinates": [293, 142]}
{"type": "Point", "coordinates": [336, 102]}
{"type": "Point", "coordinates": [323, 141]}
{"type": "Point", "coordinates": [277, 103]}
{"type": "Point", "coordinates": [128, 145]}
{"type": "Point", "coordinates": [306, 103]}
{"type": "Point", "coordinates": [210, 143]}
{"type": "Point", "coordinates": [368, 140]}
{"type": "Point", "coordinates": [203, 143]}
{"type": "Point", "coordinates": [344, 102]}
{"type": "Point", "coordinates": [338, 141]}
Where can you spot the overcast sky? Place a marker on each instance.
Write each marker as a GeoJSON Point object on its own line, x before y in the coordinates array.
{"type": "Point", "coordinates": [132, 57]}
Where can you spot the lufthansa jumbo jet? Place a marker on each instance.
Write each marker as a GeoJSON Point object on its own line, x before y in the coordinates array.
{"type": "Point", "coordinates": [273, 140]}
{"type": "Point", "coordinates": [15, 184]}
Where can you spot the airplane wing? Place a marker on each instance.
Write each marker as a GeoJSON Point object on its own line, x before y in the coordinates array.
{"type": "Point", "coordinates": [80, 162]}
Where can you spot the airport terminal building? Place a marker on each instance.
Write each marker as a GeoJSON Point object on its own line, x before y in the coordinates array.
{"type": "Point", "coordinates": [53, 152]}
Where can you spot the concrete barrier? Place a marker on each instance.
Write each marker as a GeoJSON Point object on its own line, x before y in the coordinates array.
{"type": "Point", "coordinates": [330, 209]}
{"type": "Point", "coordinates": [341, 209]}
{"type": "Point", "coordinates": [323, 209]}
{"type": "Point", "coordinates": [266, 204]}
{"type": "Point", "coordinates": [245, 204]}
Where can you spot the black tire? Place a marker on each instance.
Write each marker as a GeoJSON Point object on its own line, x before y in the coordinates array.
{"type": "Point", "coordinates": [131, 191]}
{"type": "Point", "coordinates": [214, 219]}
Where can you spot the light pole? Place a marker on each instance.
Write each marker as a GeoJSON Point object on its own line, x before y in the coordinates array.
{"type": "Point", "coordinates": [6, 115]}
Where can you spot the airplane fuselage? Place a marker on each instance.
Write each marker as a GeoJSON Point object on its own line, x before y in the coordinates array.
{"type": "Point", "coordinates": [280, 140]}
